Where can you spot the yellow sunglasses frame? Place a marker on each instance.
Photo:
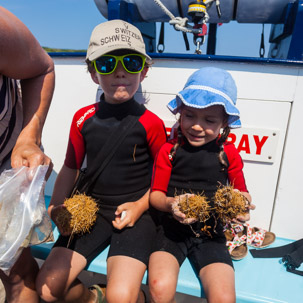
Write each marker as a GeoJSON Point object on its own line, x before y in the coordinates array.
{"type": "Point", "coordinates": [120, 58]}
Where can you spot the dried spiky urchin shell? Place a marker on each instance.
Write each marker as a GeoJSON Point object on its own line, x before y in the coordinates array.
{"type": "Point", "coordinates": [195, 206]}
{"type": "Point", "coordinates": [79, 215]}
{"type": "Point", "coordinates": [229, 203]}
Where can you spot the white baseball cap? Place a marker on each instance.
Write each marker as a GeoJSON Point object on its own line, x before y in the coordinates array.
{"type": "Point", "coordinates": [113, 35]}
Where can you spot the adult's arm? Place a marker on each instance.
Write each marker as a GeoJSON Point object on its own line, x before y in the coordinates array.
{"type": "Point", "coordinates": [21, 57]}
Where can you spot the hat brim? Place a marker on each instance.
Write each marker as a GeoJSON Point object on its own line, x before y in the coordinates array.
{"type": "Point", "coordinates": [99, 53]}
{"type": "Point", "coordinates": [202, 99]}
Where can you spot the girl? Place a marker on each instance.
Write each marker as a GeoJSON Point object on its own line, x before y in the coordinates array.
{"type": "Point", "coordinates": [196, 162]}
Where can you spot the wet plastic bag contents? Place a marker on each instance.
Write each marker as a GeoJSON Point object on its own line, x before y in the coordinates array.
{"type": "Point", "coordinates": [23, 217]}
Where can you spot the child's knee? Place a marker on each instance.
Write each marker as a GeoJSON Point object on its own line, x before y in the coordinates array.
{"type": "Point", "coordinates": [46, 294]}
{"type": "Point", "coordinates": [120, 294]}
{"type": "Point", "coordinates": [217, 296]}
{"type": "Point", "coordinates": [162, 290]}
{"type": "Point", "coordinates": [48, 290]}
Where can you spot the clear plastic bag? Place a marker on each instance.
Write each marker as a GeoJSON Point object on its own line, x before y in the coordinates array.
{"type": "Point", "coordinates": [23, 217]}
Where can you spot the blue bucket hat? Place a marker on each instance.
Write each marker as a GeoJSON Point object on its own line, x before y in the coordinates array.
{"type": "Point", "coordinates": [206, 87]}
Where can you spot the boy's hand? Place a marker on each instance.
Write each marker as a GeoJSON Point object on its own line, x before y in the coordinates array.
{"type": "Point", "coordinates": [177, 214]}
{"type": "Point", "coordinates": [54, 213]}
{"type": "Point", "coordinates": [127, 215]}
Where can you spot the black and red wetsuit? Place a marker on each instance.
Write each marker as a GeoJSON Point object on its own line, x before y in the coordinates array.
{"type": "Point", "coordinates": [127, 176]}
{"type": "Point", "coordinates": [125, 179]}
{"type": "Point", "coordinates": [195, 170]}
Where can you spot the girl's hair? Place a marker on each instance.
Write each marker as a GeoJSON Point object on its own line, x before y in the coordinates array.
{"type": "Point", "coordinates": [221, 140]}
{"type": "Point", "coordinates": [173, 151]}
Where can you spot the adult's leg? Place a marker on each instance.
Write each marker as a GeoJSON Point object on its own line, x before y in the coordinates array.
{"type": "Point", "coordinates": [218, 280]}
{"type": "Point", "coordinates": [57, 279]}
{"type": "Point", "coordinates": [2, 292]}
{"type": "Point", "coordinates": [163, 276]}
{"type": "Point", "coordinates": [124, 278]}
{"type": "Point", "coordinates": [20, 283]}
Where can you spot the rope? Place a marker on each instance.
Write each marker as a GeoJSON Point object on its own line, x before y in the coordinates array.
{"type": "Point", "coordinates": [180, 24]}
{"type": "Point", "coordinates": [165, 10]}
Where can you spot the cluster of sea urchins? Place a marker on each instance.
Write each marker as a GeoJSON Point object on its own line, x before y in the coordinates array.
{"type": "Point", "coordinates": [229, 204]}
{"type": "Point", "coordinates": [195, 206]}
{"type": "Point", "coordinates": [79, 215]}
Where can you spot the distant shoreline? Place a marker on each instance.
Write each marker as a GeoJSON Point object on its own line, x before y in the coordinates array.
{"type": "Point", "coordinates": [60, 50]}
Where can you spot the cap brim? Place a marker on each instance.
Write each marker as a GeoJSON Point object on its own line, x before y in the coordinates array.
{"type": "Point", "coordinates": [98, 53]}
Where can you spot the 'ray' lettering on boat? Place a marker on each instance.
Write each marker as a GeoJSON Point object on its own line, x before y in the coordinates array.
{"type": "Point", "coordinates": [244, 144]}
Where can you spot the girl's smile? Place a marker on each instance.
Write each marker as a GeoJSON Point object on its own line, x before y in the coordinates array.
{"type": "Point", "coordinates": [201, 126]}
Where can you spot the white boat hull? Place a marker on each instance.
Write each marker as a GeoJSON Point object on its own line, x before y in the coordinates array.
{"type": "Point", "coordinates": [270, 98]}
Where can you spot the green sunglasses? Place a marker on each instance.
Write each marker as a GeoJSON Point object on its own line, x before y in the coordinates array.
{"type": "Point", "coordinates": [132, 63]}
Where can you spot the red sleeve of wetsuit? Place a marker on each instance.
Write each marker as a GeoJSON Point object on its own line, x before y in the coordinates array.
{"type": "Point", "coordinates": [76, 148]}
{"type": "Point", "coordinates": [155, 131]}
{"type": "Point", "coordinates": [162, 169]}
{"type": "Point", "coordinates": [235, 168]}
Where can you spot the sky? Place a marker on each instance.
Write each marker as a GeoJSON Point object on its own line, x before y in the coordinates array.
{"type": "Point", "coordinates": [67, 24]}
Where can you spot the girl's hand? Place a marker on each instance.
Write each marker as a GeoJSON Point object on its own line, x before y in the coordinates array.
{"type": "Point", "coordinates": [127, 215]}
{"type": "Point", "coordinates": [54, 213]}
{"type": "Point", "coordinates": [177, 214]}
{"type": "Point", "coordinates": [243, 218]}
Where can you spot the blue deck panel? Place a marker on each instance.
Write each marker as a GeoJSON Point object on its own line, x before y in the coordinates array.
{"type": "Point", "coordinates": [266, 279]}
{"type": "Point", "coordinates": [257, 279]}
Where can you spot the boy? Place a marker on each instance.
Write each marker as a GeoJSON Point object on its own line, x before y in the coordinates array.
{"type": "Point", "coordinates": [116, 60]}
